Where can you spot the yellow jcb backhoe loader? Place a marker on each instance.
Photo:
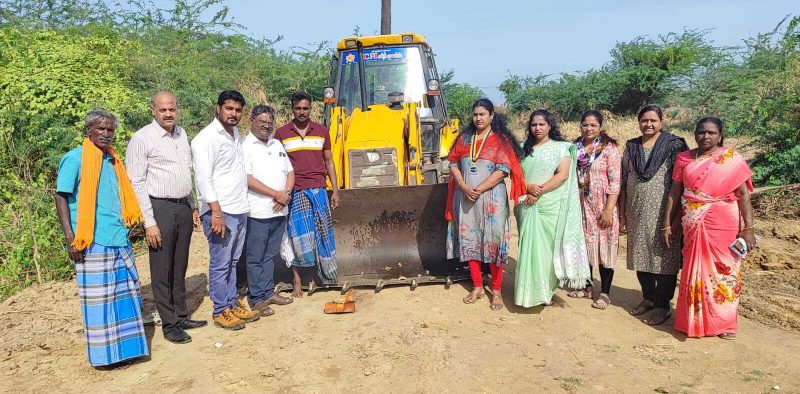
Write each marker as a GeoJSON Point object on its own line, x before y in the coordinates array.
{"type": "Point", "coordinates": [390, 136]}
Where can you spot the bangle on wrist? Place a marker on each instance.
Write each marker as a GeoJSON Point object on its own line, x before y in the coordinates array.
{"type": "Point", "coordinates": [666, 228]}
{"type": "Point", "coordinates": [216, 215]}
{"type": "Point", "coordinates": [748, 228]}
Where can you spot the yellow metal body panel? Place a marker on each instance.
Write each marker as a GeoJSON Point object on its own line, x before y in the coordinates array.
{"type": "Point", "coordinates": [379, 128]}
{"type": "Point", "coordinates": [337, 130]}
{"type": "Point", "coordinates": [449, 134]}
{"type": "Point", "coordinates": [389, 39]}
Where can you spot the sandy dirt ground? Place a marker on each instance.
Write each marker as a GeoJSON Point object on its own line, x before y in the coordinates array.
{"type": "Point", "coordinates": [426, 340]}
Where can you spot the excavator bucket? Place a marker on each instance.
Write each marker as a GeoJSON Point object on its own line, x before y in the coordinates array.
{"type": "Point", "coordinates": [389, 235]}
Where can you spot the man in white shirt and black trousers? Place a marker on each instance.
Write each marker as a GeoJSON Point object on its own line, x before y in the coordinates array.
{"type": "Point", "coordinates": [159, 163]}
{"type": "Point", "coordinates": [222, 191]}
{"type": "Point", "coordinates": [270, 179]}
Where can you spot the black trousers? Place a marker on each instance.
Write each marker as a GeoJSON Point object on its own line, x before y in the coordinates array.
{"type": "Point", "coordinates": [658, 288]}
{"type": "Point", "coordinates": [169, 262]}
{"type": "Point", "coordinates": [606, 276]}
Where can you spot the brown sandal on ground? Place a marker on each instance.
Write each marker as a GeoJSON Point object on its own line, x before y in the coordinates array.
{"type": "Point", "coordinates": [659, 316]}
{"type": "Point", "coordinates": [727, 335]}
{"type": "Point", "coordinates": [643, 307]}
{"type": "Point", "coordinates": [497, 302]}
{"type": "Point", "coordinates": [602, 302]}
{"type": "Point", "coordinates": [473, 296]}
{"type": "Point", "coordinates": [583, 293]}
{"type": "Point", "coordinates": [263, 309]}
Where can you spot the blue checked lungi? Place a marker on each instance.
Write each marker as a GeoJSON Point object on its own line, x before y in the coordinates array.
{"type": "Point", "coordinates": [111, 302]}
{"type": "Point", "coordinates": [311, 231]}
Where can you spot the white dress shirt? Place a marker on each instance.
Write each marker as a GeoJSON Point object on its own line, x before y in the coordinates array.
{"type": "Point", "coordinates": [159, 164]}
{"type": "Point", "coordinates": [268, 164]}
{"type": "Point", "coordinates": [219, 169]}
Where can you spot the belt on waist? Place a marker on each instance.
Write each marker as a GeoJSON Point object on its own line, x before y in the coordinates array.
{"type": "Point", "coordinates": [184, 200]}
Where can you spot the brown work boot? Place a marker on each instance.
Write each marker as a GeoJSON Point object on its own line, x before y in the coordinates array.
{"type": "Point", "coordinates": [228, 320]}
{"type": "Point", "coordinates": [263, 309]}
{"type": "Point", "coordinates": [278, 299]}
{"type": "Point", "coordinates": [244, 314]}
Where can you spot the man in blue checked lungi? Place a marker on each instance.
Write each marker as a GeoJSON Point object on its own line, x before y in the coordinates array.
{"type": "Point", "coordinates": [310, 226]}
{"type": "Point", "coordinates": [96, 204]}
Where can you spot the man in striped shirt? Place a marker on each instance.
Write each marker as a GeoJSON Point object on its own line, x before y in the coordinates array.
{"type": "Point", "coordinates": [310, 227]}
{"type": "Point", "coordinates": [159, 163]}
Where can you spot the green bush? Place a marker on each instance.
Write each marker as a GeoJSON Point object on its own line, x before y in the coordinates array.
{"type": "Point", "coordinates": [61, 58]}
{"type": "Point", "coordinates": [759, 96]}
{"type": "Point", "coordinates": [754, 88]}
{"type": "Point", "coordinates": [640, 71]}
{"type": "Point", "coordinates": [459, 97]}
{"type": "Point", "coordinates": [48, 81]}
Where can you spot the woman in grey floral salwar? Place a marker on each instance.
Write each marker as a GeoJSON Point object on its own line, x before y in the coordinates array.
{"type": "Point", "coordinates": [477, 204]}
{"type": "Point", "coordinates": [646, 180]}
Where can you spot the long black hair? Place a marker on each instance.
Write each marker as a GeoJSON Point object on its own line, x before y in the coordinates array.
{"type": "Point", "coordinates": [555, 133]}
{"type": "Point", "coordinates": [499, 127]}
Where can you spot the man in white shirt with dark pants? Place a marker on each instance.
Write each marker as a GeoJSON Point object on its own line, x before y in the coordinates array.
{"type": "Point", "coordinates": [222, 191]}
{"type": "Point", "coordinates": [270, 179]}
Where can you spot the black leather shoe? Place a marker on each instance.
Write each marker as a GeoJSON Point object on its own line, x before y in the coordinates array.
{"type": "Point", "coordinates": [188, 324]}
{"type": "Point", "coordinates": [177, 335]}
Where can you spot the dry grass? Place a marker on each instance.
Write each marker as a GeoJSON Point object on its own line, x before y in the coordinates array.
{"type": "Point", "coordinates": [660, 353]}
{"type": "Point", "coordinates": [623, 128]}
{"type": "Point", "coordinates": [778, 203]}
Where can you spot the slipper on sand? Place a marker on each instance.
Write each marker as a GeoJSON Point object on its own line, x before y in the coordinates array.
{"type": "Point", "coordinates": [602, 302]}
{"type": "Point", "coordinates": [659, 316]}
{"type": "Point", "coordinates": [643, 307]}
{"type": "Point", "coordinates": [580, 294]}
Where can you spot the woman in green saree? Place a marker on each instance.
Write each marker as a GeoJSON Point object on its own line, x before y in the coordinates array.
{"type": "Point", "coordinates": [552, 248]}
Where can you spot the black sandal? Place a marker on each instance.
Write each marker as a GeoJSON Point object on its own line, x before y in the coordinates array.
{"type": "Point", "coordinates": [659, 316]}
{"type": "Point", "coordinates": [606, 302]}
{"type": "Point", "coordinates": [643, 307]}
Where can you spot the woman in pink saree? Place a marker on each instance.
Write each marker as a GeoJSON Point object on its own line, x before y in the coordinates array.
{"type": "Point", "coordinates": [714, 185]}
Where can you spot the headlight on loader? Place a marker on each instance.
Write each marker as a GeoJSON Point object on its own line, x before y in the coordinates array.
{"type": "Point", "coordinates": [433, 87]}
{"type": "Point", "coordinates": [327, 96]}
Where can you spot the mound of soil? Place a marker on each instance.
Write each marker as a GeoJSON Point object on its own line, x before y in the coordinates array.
{"type": "Point", "coordinates": [772, 275]}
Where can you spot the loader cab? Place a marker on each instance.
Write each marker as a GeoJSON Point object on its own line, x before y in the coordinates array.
{"type": "Point", "coordinates": [392, 64]}
{"type": "Point", "coordinates": [387, 70]}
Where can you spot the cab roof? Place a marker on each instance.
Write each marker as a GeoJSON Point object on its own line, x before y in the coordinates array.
{"type": "Point", "coordinates": [389, 39]}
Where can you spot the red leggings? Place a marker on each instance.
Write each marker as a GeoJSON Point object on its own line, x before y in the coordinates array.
{"type": "Point", "coordinates": [477, 275]}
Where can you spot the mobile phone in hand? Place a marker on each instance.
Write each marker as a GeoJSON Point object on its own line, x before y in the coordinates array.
{"type": "Point", "coordinates": [739, 247]}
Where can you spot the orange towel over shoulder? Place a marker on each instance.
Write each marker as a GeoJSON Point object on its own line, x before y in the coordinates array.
{"type": "Point", "coordinates": [91, 163]}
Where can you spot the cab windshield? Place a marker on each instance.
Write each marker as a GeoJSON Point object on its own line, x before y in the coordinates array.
{"type": "Point", "coordinates": [387, 70]}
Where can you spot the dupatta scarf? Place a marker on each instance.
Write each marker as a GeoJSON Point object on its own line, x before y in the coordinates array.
{"type": "Point", "coordinates": [667, 145]}
{"type": "Point", "coordinates": [495, 149]}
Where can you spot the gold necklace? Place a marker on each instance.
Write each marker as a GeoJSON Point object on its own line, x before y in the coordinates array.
{"type": "Point", "coordinates": [473, 153]}
{"type": "Point", "coordinates": [697, 154]}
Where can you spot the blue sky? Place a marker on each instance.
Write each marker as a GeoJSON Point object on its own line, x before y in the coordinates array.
{"type": "Point", "coordinates": [484, 41]}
